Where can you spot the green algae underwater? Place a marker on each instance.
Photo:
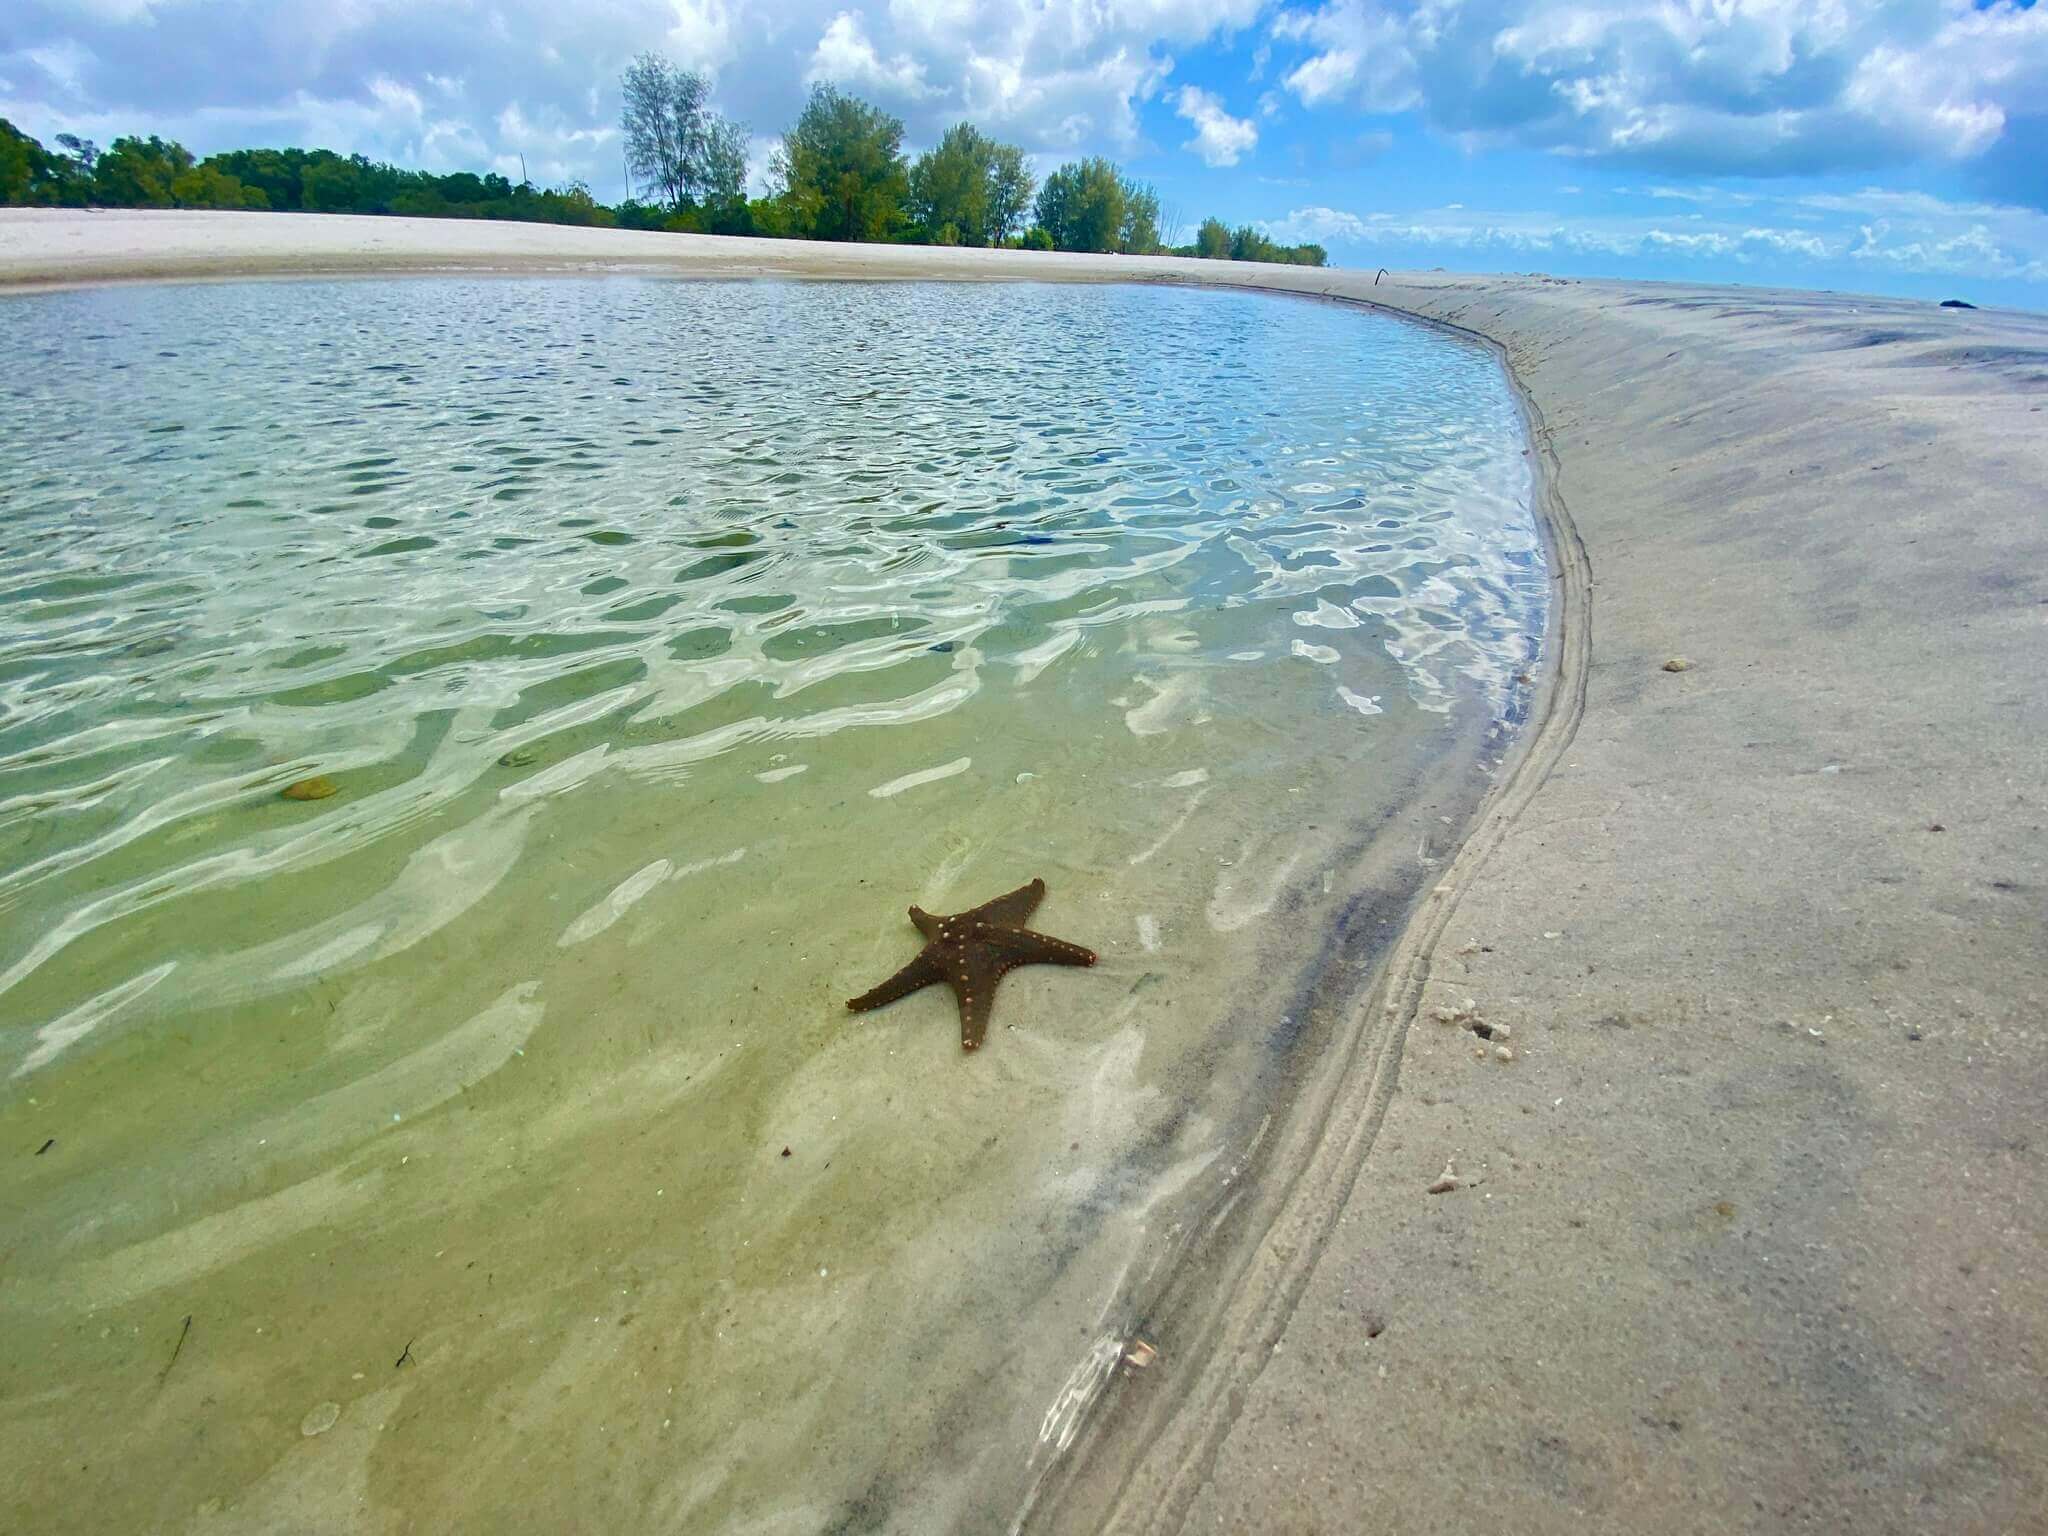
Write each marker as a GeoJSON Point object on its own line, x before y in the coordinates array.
{"type": "Point", "coordinates": [487, 1143]}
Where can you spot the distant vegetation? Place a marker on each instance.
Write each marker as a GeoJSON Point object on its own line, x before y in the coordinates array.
{"type": "Point", "coordinates": [839, 174]}
{"type": "Point", "coordinates": [159, 173]}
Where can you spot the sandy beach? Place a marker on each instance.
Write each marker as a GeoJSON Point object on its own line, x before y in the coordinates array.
{"type": "Point", "coordinates": [1745, 1233]}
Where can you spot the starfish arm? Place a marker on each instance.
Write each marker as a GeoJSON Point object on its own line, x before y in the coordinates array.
{"type": "Point", "coordinates": [925, 923]}
{"type": "Point", "coordinates": [1020, 946]}
{"type": "Point", "coordinates": [1013, 910]}
{"type": "Point", "coordinates": [921, 972]}
{"type": "Point", "coordinates": [976, 995]}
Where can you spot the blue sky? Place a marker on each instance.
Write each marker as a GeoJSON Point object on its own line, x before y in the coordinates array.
{"type": "Point", "coordinates": [1893, 146]}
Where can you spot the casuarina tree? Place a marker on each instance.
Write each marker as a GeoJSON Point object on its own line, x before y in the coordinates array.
{"type": "Point", "coordinates": [676, 146]}
{"type": "Point", "coordinates": [970, 190]}
{"type": "Point", "coordinates": [841, 169]}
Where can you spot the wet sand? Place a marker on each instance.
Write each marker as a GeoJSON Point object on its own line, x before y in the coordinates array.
{"type": "Point", "coordinates": [1746, 1234]}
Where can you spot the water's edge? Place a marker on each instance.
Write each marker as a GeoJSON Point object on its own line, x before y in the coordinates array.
{"type": "Point", "coordinates": [1152, 1435]}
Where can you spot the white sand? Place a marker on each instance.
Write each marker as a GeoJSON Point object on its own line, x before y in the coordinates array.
{"type": "Point", "coordinates": [51, 247]}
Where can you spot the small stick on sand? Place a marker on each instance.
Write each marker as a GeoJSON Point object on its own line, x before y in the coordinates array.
{"type": "Point", "coordinates": [176, 1350]}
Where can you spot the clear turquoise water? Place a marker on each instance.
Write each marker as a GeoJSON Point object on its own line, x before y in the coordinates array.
{"type": "Point", "coordinates": [663, 641]}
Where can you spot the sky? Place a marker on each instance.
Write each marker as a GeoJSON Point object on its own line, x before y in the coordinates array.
{"type": "Point", "coordinates": [1881, 146]}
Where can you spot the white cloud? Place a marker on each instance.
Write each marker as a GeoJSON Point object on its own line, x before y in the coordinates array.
{"type": "Point", "coordinates": [1899, 232]}
{"type": "Point", "coordinates": [1220, 139]}
{"type": "Point", "coordinates": [1731, 86]}
{"type": "Point", "coordinates": [400, 101]}
{"type": "Point", "coordinates": [1974, 252]}
{"type": "Point", "coordinates": [1322, 225]}
{"type": "Point", "coordinates": [1057, 76]}
{"type": "Point", "coordinates": [761, 164]}
{"type": "Point", "coordinates": [1325, 76]}
{"type": "Point", "coordinates": [845, 56]}
{"type": "Point", "coordinates": [700, 35]}
{"type": "Point", "coordinates": [1917, 232]}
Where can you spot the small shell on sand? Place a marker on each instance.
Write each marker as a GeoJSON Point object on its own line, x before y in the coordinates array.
{"type": "Point", "coordinates": [1678, 664]}
{"type": "Point", "coordinates": [323, 1418]}
{"type": "Point", "coordinates": [319, 787]}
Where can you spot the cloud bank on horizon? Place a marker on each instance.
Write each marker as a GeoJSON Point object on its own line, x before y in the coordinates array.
{"type": "Point", "coordinates": [1897, 145]}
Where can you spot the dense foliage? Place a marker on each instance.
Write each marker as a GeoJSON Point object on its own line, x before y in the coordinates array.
{"type": "Point", "coordinates": [839, 174]}
{"type": "Point", "coordinates": [157, 173]}
{"type": "Point", "coordinates": [1088, 205]}
{"type": "Point", "coordinates": [841, 170]}
{"type": "Point", "coordinates": [970, 190]}
{"type": "Point", "coordinates": [1218, 242]}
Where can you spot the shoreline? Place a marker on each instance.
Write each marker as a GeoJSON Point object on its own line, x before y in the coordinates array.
{"type": "Point", "coordinates": [1231, 1293]}
{"type": "Point", "coordinates": [1743, 1236]}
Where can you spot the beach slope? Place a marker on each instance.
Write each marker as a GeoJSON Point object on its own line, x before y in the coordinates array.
{"type": "Point", "coordinates": [1745, 1234]}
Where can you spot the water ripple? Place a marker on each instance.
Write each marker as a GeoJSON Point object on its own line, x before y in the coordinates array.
{"type": "Point", "coordinates": [429, 530]}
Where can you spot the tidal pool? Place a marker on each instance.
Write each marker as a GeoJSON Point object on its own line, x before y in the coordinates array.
{"type": "Point", "coordinates": [487, 1146]}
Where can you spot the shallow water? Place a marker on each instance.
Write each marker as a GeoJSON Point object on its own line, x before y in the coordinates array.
{"type": "Point", "coordinates": [664, 641]}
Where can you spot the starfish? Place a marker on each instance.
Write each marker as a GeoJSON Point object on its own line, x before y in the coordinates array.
{"type": "Point", "coordinates": [970, 951]}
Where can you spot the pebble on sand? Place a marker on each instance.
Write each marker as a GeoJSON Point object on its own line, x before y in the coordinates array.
{"type": "Point", "coordinates": [319, 787]}
{"type": "Point", "coordinates": [323, 1418]}
{"type": "Point", "coordinates": [1678, 664]}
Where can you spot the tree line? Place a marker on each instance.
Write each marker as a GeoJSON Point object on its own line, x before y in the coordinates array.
{"type": "Point", "coordinates": [161, 173]}
{"type": "Point", "coordinates": [839, 173]}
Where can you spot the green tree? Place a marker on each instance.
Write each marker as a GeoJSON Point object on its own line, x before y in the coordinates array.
{"type": "Point", "coordinates": [725, 167]}
{"type": "Point", "coordinates": [21, 163]}
{"type": "Point", "coordinates": [841, 168]}
{"type": "Point", "coordinates": [1138, 233]}
{"type": "Point", "coordinates": [969, 190]}
{"type": "Point", "coordinates": [949, 186]}
{"type": "Point", "coordinates": [137, 173]}
{"type": "Point", "coordinates": [1248, 242]}
{"type": "Point", "coordinates": [66, 179]}
{"type": "Point", "coordinates": [462, 187]}
{"type": "Point", "coordinates": [1009, 192]}
{"type": "Point", "coordinates": [570, 204]}
{"type": "Point", "coordinates": [681, 150]}
{"type": "Point", "coordinates": [83, 152]}
{"type": "Point", "coordinates": [330, 184]}
{"type": "Point", "coordinates": [1052, 210]}
{"type": "Point", "coordinates": [773, 219]}
{"type": "Point", "coordinates": [207, 186]}
{"type": "Point", "coordinates": [273, 172]}
{"type": "Point", "coordinates": [1082, 205]}
{"type": "Point", "coordinates": [662, 115]}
